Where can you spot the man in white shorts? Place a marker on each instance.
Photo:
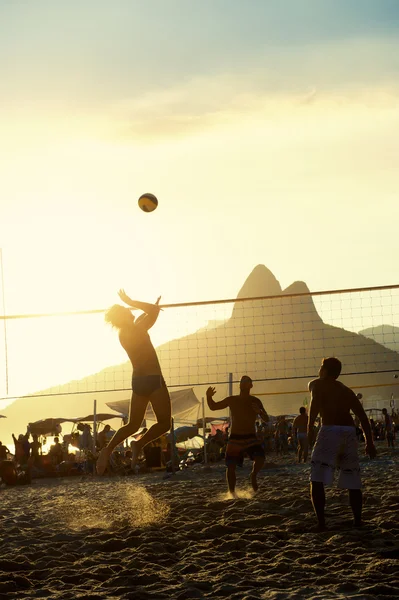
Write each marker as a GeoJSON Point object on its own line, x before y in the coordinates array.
{"type": "Point", "coordinates": [336, 445]}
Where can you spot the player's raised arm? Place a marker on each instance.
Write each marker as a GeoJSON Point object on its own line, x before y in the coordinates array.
{"type": "Point", "coordinates": [210, 392]}
{"type": "Point", "coordinates": [150, 311]}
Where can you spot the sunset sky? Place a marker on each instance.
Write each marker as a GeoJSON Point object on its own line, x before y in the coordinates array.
{"type": "Point", "coordinates": [269, 131]}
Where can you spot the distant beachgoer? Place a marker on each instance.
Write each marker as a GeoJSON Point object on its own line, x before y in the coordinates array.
{"type": "Point", "coordinates": [373, 428]}
{"type": "Point", "coordinates": [389, 429]}
{"type": "Point", "coordinates": [336, 444]}
{"type": "Point", "coordinates": [56, 452]}
{"type": "Point", "coordinates": [22, 448]}
{"type": "Point", "coordinates": [102, 437]}
{"type": "Point", "coordinates": [244, 412]}
{"type": "Point", "coordinates": [4, 451]}
{"type": "Point", "coordinates": [300, 428]}
{"type": "Point", "coordinates": [148, 385]}
{"type": "Point", "coordinates": [86, 439]}
{"type": "Point", "coordinates": [35, 447]}
{"type": "Point", "coordinates": [282, 435]}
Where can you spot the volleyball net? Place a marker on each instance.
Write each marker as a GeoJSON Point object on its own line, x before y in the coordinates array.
{"type": "Point", "coordinates": [278, 340]}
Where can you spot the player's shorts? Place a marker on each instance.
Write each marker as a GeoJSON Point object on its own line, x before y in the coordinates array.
{"type": "Point", "coordinates": [302, 437]}
{"type": "Point", "coordinates": [240, 445]}
{"type": "Point", "coordinates": [336, 447]}
{"type": "Point", "coordinates": [146, 385]}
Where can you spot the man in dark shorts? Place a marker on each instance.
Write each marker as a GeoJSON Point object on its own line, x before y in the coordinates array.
{"type": "Point", "coordinates": [148, 385]}
{"type": "Point", "coordinates": [336, 445]}
{"type": "Point", "coordinates": [245, 410]}
{"type": "Point", "coordinates": [300, 428]}
{"type": "Point", "coordinates": [389, 429]}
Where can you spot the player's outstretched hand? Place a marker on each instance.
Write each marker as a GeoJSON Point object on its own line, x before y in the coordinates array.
{"type": "Point", "coordinates": [210, 392]}
{"type": "Point", "coordinates": [123, 296]}
{"type": "Point", "coordinates": [371, 450]}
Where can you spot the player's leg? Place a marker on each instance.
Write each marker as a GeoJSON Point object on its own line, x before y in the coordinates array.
{"type": "Point", "coordinates": [356, 503]}
{"type": "Point", "coordinates": [138, 405]}
{"type": "Point", "coordinates": [349, 476]}
{"type": "Point", "coordinates": [305, 448]}
{"type": "Point", "coordinates": [233, 457]}
{"type": "Point", "coordinates": [300, 449]}
{"type": "Point", "coordinates": [160, 401]}
{"type": "Point", "coordinates": [324, 458]}
{"type": "Point", "coordinates": [258, 463]}
{"type": "Point", "coordinates": [318, 497]}
{"type": "Point", "coordinates": [231, 477]}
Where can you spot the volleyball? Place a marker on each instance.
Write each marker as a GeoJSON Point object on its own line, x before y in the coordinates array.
{"type": "Point", "coordinates": [148, 202]}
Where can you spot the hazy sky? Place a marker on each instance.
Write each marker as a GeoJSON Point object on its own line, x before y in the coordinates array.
{"type": "Point", "coordinates": [269, 132]}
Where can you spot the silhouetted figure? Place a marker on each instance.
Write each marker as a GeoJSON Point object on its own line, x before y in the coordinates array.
{"type": "Point", "coordinates": [4, 451]}
{"type": "Point", "coordinates": [56, 452]}
{"type": "Point", "coordinates": [243, 439]}
{"type": "Point", "coordinates": [389, 429]}
{"type": "Point", "coordinates": [102, 437]}
{"type": "Point", "coordinates": [300, 429]}
{"type": "Point", "coordinates": [35, 449]}
{"type": "Point", "coordinates": [336, 445]}
{"type": "Point", "coordinates": [148, 385]}
{"type": "Point", "coordinates": [22, 448]}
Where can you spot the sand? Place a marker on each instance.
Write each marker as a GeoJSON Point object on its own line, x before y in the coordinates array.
{"type": "Point", "coordinates": [181, 537]}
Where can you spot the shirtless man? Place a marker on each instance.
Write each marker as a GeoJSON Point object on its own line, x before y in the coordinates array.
{"type": "Point", "coordinates": [336, 444]}
{"type": "Point", "coordinates": [300, 428]}
{"type": "Point", "coordinates": [148, 384]}
{"type": "Point", "coordinates": [389, 428]}
{"type": "Point", "coordinates": [282, 435]}
{"type": "Point", "coordinates": [242, 440]}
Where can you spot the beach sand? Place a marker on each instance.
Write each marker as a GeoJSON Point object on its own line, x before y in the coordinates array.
{"type": "Point", "coordinates": [181, 537]}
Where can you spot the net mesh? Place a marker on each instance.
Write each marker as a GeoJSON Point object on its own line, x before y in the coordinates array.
{"type": "Point", "coordinates": [276, 340]}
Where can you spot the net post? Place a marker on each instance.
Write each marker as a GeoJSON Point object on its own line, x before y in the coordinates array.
{"type": "Point", "coordinates": [230, 393]}
{"type": "Point", "coordinates": [172, 444]}
{"type": "Point", "coordinates": [94, 425]}
{"type": "Point", "coordinates": [5, 321]}
{"type": "Point", "coordinates": [204, 430]}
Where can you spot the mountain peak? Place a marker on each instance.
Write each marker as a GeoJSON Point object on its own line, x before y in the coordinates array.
{"type": "Point", "coordinates": [260, 282]}
{"type": "Point", "coordinates": [298, 287]}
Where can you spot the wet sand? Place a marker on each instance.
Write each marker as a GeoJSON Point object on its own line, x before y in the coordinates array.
{"type": "Point", "coordinates": [151, 537]}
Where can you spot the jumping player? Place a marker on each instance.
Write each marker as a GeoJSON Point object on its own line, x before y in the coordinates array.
{"type": "Point", "coordinates": [148, 384]}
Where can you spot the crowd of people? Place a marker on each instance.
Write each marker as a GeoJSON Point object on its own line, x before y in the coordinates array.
{"type": "Point", "coordinates": [282, 436]}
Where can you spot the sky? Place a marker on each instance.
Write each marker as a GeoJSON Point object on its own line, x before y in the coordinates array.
{"type": "Point", "coordinates": [267, 130]}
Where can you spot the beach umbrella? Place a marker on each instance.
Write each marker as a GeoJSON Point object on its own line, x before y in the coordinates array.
{"type": "Point", "coordinates": [182, 434]}
{"type": "Point", "coordinates": [195, 443]}
{"type": "Point", "coordinates": [99, 417]}
{"type": "Point", "coordinates": [47, 426]}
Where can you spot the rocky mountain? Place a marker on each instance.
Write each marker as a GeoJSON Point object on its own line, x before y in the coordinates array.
{"type": "Point", "coordinates": [386, 335]}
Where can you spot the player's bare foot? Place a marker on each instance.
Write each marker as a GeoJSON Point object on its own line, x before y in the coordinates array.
{"type": "Point", "coordinates": [102, 461]}
{"type": "Point", "coordinates": [357, 524]}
